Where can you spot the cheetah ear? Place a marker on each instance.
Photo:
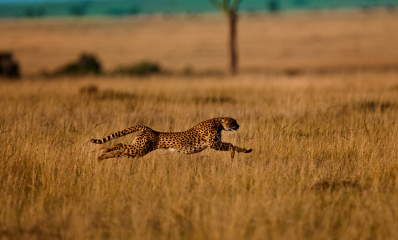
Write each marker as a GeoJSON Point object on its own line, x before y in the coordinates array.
{"type": "Point", "coordinates": [222, 120]}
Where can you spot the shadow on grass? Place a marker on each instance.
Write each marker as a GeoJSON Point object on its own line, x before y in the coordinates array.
{"type": "Point", "coordinates": [212, 99]}
{"type": "Point", "coordinates": [143, 68]}
{"type": "Point", "coordinates": [92, 91]}
{"type": "Point", "coordinates": [329, 185]}
{"type": "Point", "coordinates": [375, 106]}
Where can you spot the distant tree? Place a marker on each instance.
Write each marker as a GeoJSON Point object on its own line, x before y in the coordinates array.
{"type": "Point", "coordinates": [78, 10]}
{"type": "Point", "coordinates": [86, 64]}
{"type": "Point", "coordinates": [29, 12]}
{"type": "Point", "coordinates": [9, 68]}
{"type": "Point", "coordinates": [39, 12]}
{"type": "Point", "coordinates": [134, 10]}
{"type": "Point", "coordinates": [231, 11]}
{"type": "Point", "coordinates": [273, 6]}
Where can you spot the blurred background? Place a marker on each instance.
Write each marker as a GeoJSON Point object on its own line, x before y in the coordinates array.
{"type": "Point", "coordinates": [59, 8]}
{"type": "Point", "coordinates": [50, 37]}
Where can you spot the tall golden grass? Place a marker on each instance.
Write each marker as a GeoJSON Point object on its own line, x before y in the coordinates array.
{"type": "Point", "coordinates": [324, 164]}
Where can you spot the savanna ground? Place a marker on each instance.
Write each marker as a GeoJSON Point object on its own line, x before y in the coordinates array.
{"type": "Point", "coordinates": [324, 164]}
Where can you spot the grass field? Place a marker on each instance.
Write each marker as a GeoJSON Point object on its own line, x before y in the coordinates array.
{"type": "Point", "coordinates": [324, 164]}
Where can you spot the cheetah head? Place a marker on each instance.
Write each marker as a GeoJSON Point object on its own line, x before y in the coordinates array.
{"type": "Point", "coordinates": [229, 124]}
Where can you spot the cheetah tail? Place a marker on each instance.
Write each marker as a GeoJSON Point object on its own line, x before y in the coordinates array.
{"type": "Point", "coordinates": [119, 134]}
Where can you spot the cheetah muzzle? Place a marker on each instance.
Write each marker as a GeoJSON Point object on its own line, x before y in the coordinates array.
{"type": "Point", "coordinates": [205, 134]}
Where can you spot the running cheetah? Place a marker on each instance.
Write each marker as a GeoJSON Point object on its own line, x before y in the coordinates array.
{"type": "Point", "coordinates": [205, 134]}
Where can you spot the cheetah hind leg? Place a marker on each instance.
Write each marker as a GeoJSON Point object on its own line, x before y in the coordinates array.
{"type": "Point", "coordinates": [120, 150]}
{"type": "Point", "coordinates": [113, 148]}
{"type": "Point", "coordinates": [113, 154]}
{"type": "Point", "coordinates": [112, 151]}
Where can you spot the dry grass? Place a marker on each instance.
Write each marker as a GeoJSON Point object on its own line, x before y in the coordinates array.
{"type": "Point", "coordinates": [324, 164]}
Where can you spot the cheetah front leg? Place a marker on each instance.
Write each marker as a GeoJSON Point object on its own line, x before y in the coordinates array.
{"type": "Point", "coordinates": [222, 146]}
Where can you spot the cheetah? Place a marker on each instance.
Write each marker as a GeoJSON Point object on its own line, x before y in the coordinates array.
{"type": "Point", "coordinates": [205, 134]}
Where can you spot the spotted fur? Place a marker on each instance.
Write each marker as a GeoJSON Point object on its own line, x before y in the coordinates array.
{"type": "Point", "coordinates": [205, 134]}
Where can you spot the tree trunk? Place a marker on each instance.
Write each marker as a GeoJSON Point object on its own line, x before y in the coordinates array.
{"type": "Point", "coordinates": [233, 17]}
